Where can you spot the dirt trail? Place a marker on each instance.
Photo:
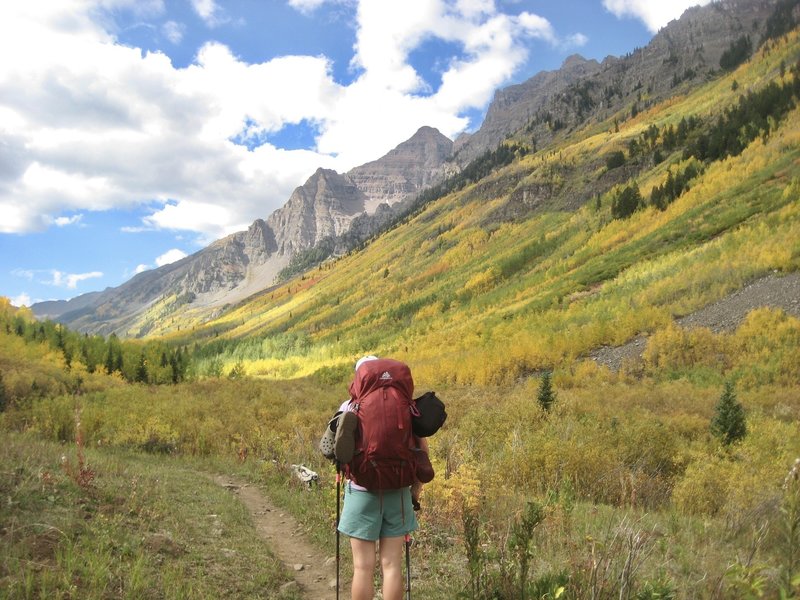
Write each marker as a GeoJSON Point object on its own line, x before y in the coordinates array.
{"type": "Point", "coordinates": [313, 571]}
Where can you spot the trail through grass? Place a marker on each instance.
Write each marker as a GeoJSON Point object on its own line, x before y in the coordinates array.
{"type": "Point", "coordinates": [136, 526]}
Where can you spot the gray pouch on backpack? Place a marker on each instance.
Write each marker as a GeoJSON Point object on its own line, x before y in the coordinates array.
{"type": "Point", "coordinates": [327, 443]}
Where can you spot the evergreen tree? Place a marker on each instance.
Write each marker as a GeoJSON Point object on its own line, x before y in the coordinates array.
{"type": "Point", "coordinates": [3, 399]}
{"type": "Point", "coordinates": [728, 423]}
{"type": "Point", "coordinates": [109, 364]}
{"type": "Point", "coordinates": [85, 357]}
{"type": "Point", "coordinates": [738, 52]}
{"type": "Point", "coordinates": [141, 369]}
{"type": "Point", "coordinates": [615, 160]}
{"type": "Point", "coordinates": [174, 367]}
{"type": "Point", "coordinates": [626, 202]}
{"type": "Point", "coordinates": [237, 372]}
{"type": "Point", "coordinates": [546, 396]}
{"type": "Point", "coordinates": [59, 338]}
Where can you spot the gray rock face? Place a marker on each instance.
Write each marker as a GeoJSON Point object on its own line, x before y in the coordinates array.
{"type": "Point", "coordinates": [406, 170]}
{"type": "Point", "coordinates": [216, 271]}
{"type": "Point", "coordinates": [329, 203]}
{"type": "Point", "coordinates": [515, 106]}
{"type": "Point", "coordinates": [323, 206]}
{"type": "Point", "coordinates": [685, 52]}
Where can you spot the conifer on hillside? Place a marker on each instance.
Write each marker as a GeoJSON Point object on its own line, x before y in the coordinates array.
{"type": "Point", "coordinates": [546, 396]}
{"type": "Point", "coordinates": [728, 423]}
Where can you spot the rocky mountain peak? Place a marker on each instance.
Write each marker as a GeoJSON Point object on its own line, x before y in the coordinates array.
{"type": "Point", "coordinates": [575, 61]}
{"type": "Point", "coordinates": [322, 207]}
{"type": "Point", "coordinates": [404, 171]}
{"type": "Point", "coordinates": [328, 202]}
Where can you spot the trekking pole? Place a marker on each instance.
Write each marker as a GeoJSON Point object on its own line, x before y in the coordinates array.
{"type": "Point", "coordinates": [408, 566]}
{"type": "Point", "coordinates": [338, 500]}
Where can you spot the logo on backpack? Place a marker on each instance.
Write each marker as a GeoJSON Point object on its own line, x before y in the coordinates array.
{"type": "Point", "coordinates": [386, 376]}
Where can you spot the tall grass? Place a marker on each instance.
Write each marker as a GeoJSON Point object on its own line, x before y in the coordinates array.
{"type": "Point", "coordinates": [636, 493]}
{"type": "Point", "coordinates": [143, 527]}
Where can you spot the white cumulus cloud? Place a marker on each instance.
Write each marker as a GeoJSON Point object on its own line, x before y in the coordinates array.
{"type": "Point", "coordinates": [71, 280]}
{"type": "Point", "coordinates": [89, 124]}
{"type": "Point", "coordinates": [654, 14]}
{"type": "Point", "coordinates": [170, 256]}
{"type": "Point", "coordinates": [22, 300]}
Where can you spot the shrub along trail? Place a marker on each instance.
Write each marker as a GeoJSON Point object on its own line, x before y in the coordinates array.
{"type": "Point", "coordinates": [313, 571]}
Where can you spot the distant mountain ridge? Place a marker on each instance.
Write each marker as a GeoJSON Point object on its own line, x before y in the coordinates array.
{"type": "Point", "coordinates": [330, 205]}
{"type": "Point", "coordinates": [683, 54]}
{"type": "Point", "coordinates": [246, 262]}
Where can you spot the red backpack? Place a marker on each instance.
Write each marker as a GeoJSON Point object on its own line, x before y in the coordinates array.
{"type": "Point", "coordinates": [381, 396]}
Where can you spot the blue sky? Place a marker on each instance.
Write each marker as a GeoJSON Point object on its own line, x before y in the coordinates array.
{"type": "Point", "coordinates": [135, 132]}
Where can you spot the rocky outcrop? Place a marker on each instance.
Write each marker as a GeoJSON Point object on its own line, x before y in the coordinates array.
{"type": "Point", "coordinates": [515, 107]}
{"type": "Point", "coordinates": [684, 53]}
{"type": "Point", "coordinates": [409, 168]}
{"type": "Point", "coordinates": [327, 204]}
{"type": "Point", "coordinates": [322, 207]}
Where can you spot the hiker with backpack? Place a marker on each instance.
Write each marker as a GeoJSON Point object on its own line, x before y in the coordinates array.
{"type": "Point", "coordinates": [384, 465]}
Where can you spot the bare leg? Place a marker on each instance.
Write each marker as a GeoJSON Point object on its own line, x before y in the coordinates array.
{"type": "Point", "coordinates": [391, 550]}
{"type": "Point", "coordinates": [363, 569]}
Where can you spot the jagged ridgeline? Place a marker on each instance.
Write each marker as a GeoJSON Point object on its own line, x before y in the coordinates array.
{"type": "Point", "coordinates": [333, 214]}
{"type": "Point", "coordinates": [357, 236]}
{"type": "Point", "coordinates": [534, 255]}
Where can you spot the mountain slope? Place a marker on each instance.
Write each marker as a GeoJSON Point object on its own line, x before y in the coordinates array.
{"type": "Point", "coordinates": [247, 262]}
{"type": "Point", "coordinates": [488, 283]}
{"type": "Point", "coordinates": [684, 53]}
{"type": "Point", "coordinates": [334, 213]}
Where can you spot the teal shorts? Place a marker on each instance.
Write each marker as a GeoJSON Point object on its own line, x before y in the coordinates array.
{"type": "Point", "coordinates": [374, 515]}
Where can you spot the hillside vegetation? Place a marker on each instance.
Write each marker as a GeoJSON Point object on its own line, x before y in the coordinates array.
{"type": "Point", "coordinates": [556, 478]}
{"type": "Point", "coordinates": [494, 281]}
